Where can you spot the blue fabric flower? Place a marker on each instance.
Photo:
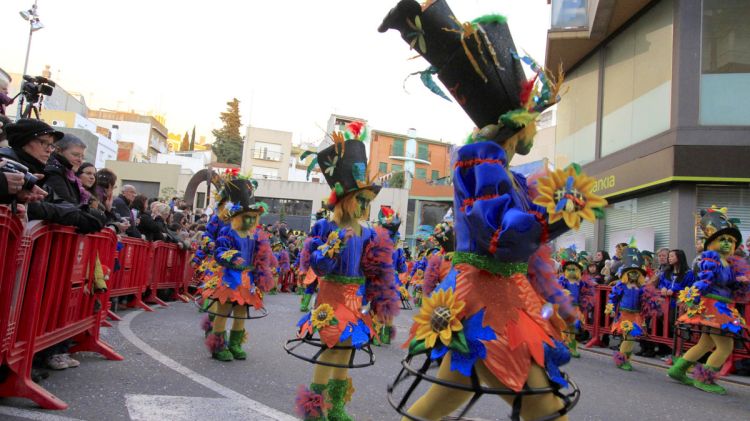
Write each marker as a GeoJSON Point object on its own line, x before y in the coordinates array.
{"type": "Point", "coordinates": [474, 333]}
{"type": "Point", "coordinates": [722, 308]}
{"type": "Point", "coordinates": [232, 278]}
{"type": "Point", "coordinates": [449, 282]}
{"type": "Point", "coordinates": [637, 330]}
{"type": "Point", "coordinates": [554, 357]}
{"type": "Point", "coordinates": [359, 334]}
{"type": "Point", "coordinates": [438, 351]}
{"type": "Point", "coordinates": [732, 327]}
{"type": "Point", "coordinates": [701, 285]}
{"type": "Point", "coordinates": [304, 319]}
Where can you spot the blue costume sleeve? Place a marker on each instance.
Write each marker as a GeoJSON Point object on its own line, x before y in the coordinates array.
{"type": "Point", "coordinates": [226, 253]}
{"type": "Point", "coordinates": [616, 295]}
{"type": "Point", "coordinates": [400, 261]}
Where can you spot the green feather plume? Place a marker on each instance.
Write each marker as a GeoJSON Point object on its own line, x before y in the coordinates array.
{"type": "Point", "coordinates": [490, 19]}
{"type": "Point", "coordinates": [518, 118]}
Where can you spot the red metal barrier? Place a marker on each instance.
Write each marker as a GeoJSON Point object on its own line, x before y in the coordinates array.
{"type": "Point", "coordinates": [132, 277]}
{"type": "Point", "coordinates": [54, 293]}
{"type": "Point", "coordinates": [658, 330]}
{"type": "Point", "coordinates": [168, 272]}
{"type": "Point", "coordinates": [11, 233]}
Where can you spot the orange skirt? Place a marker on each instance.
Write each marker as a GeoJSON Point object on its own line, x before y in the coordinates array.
{"type": "Point", "coordinates": [347, 306]}
{"type": "Point", "coordinates": [310, 277]}
{"type": "Point", "coordinates": [716, 314]}
{"type": "Point", "coordinates": [244, 294]}
{"type": "Point", "coordinates": [633, 317]}
{"type": "Point", "coordinates": [514, 312]}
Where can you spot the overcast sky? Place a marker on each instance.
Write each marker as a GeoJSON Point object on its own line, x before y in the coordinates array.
{"type": "Point", "coordinates": [291, 63]}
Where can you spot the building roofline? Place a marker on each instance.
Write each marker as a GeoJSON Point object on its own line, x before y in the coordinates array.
{"type": "Point", "coordinates": [348, 117]}
{"type": "Point", "coordinates": [418, 139]}
{"type": "Point", "coordinates": [270, 130]}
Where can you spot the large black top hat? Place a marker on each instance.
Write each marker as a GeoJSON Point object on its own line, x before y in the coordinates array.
{"type": "Point", "coordinates": [240, 193]}
{"type": "Point", "coordinates": [632, 259]}
{"type": "Point", "coordinates": [344, 164]}
{"type": "Point", "coordinates": [477, 61]}
{"type": "Point", "coordinates": [714, 223]}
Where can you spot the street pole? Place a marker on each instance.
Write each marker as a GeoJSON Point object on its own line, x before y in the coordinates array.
{"type": "Point", "coordinates": [25, 68]}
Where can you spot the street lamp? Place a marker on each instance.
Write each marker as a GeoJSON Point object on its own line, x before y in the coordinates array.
{"type": "Point", "coordinates": [34, 25]}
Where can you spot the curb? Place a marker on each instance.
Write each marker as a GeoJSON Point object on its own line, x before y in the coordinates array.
{"type": "Point", "coordinates": [656, 363]}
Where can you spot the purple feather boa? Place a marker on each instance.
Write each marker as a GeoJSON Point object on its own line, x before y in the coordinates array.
{"type": "Point", "coordinates": [264, 262]}
{"type": "Point", "coordinates": [304, 257]}
{"type": "Point", "coordinates": [431, 277]}
{"type": "Point", "coordinates": [377, 266]}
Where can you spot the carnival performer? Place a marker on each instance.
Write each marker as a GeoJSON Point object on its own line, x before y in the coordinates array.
{"type": "Point", "coordinates": [284, 270]}
{"type": "Point", "coordinates": [391, 221]}
{"type": "Point", "coordinates": [582, 291]}
{"type": "Point", "coordinates": [310, 281]}
{"type": "Point", "coordinates": [631, 301]}
{"type": "Point", "coordinates": [354, 264]}
{"type": "Point", "coordinates": [493, 327]}
{"type": "Point", "coordinates": [245, 270]}
{"type": "Point", "coordinates": [440, 265]}
{"type": "Point", "coordinates": [709, 304]}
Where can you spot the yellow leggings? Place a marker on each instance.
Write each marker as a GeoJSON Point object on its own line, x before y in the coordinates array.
{"type": "Point", "coordinates": [708, 342]}
{"type": "Point", "coordinates": [323, 373]}
{"type": "Point", "coordinates": [440, 401]}
{"type": "Point", "coordinates": [627, 344]}
{"type": "Point", "coordinates": [220, 323]}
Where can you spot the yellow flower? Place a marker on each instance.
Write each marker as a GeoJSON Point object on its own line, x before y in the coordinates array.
{"type": "Point", "coordinates": [695, 310]}
{"type": "Point", "coordinates": [626, 326]}
{"type": "Point", "coordinates": [575, 190]}
{"type": "Point", "coordinates": [438, 317]}
{"type": "Point", "coordinates": [404, 292]}
{"type": "Point", "coordinates": [688, 295]}
{"type": "Point", "coordinates": [322, 316]}
{"type": "Point", "coordinates": [332, 245]}
{"type": "Point", "coordinates": [609, 309]}
{"type": "Point", "coordinates": [737, 316]}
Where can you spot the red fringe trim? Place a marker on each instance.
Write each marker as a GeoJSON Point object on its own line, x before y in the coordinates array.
{"type": "Point", "coordinates": [476, 161]}
{"type": "Point", "coordinates": [470, 201]}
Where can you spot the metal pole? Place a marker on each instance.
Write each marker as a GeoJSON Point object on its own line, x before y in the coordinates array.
{"type": "Point", "coordinates": [25, 68]}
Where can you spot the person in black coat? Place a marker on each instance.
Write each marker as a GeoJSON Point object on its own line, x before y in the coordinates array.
{"type": "Point", "coordinates": [146, 226]}
{"type": "Point", "coordinates": [121, 205]}
{"type": "Point", "coordinates": [31, 144]}
{"type": "Point", "coordinates": [60, 178]}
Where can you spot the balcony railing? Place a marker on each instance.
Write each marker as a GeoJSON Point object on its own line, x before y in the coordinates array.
{"type": "Point", "coordinates": [570, 15]}
{"type": "Point", "coordinates": [267, 155]}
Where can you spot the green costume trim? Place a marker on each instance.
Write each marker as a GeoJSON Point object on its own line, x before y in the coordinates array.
{"type": "Point", "coordinates": [489, 264]}
{"type": "Point", "coordinates": [337, 392]}
{"type": "Point", "coordinates": [718, 298]}
{"type": "Point", "coordinates": [341, 279]}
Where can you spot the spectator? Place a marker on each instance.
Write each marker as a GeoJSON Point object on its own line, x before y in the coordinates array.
{"type": "Point", "coordinates": [103, 193]}
{"type": "Point", "coordinates": [594, 273]}
{"type": "Point", "coordinates": [617, 261]}
{"type": "Point", "coordinates": [5, 100]}
{"type": "Point", "coordinates": [31, 144]}
{"type": "Point", "coordinates": [147, 225]}
{"type": "Point", "coordinates": [600, 258]}
{"type": "Point", "coordinates": [121, 206]}
{"type": "Point", "coordinates": [4, 121]}
{"type": "Point", "coordinates": [676, 277]}
{"type": "Point", "coordinates": [59, 174]}
{"type": "Point", "coordinates": [161, 212]}
{"type": "Point", "coordinates": [87, 174]}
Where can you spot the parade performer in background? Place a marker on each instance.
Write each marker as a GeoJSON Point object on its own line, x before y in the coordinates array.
{"type": "Point", "coordinates": [310, 281]}
{"type": "Point", "coordinates": [493, 327]}
{"type": "Point", "coordinates": [285, 270]}
{"type": "Point", "coordinates": [391, 221]}
{"type": "Point", "coordinates": [425, 250]}
{"type": "Point", "coordinates": [245, 271]}
{"type": "Point", "coordinates": [440, 265]}
{"type": "Point", "coordinates": [354, 264]}
{"type": "Point", "coordinates": [631, 301]}
{"type": "Point", "coordinates": [709, 304]}
{"type": "Point", "coordinates": [582, 291]}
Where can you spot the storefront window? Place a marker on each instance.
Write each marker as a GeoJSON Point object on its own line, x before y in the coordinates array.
{"type": "Point", "coordinates": [725, 63]}
{"type": "Point", "coordinates": [576, 116]}
{"type": "Point", "coordinates": [638, 81]}
{"type": "Point", "coordinates": [646, 219]}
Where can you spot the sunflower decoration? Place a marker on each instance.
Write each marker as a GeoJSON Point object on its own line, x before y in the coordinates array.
{"type": "Point", "coordinates": [695, 309]}
{"type": "Point", "coordinates": [333, 244]}
{"type": "Point", "coordinates": [403, 291]}
{"type": "Point", "coordinates": [626, 326]}
{"type": "Point", "coordinates": [323, 316]}
{"type": "Point", "coordinates": [567, 194]}
{"type": "Point", "coordinates": [439, 318]}
{"type": "Point", "coordinates": [688, 295]}
{"type": "Point", "coordinates": [609, 309]}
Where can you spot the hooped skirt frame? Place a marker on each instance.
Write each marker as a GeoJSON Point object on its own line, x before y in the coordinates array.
{"type": "Point", "coordinates": [409, 370]}
{"type": "Point", "coordinates": [295, 347]}
{"type": "Point", "coordinates": [255, 314]}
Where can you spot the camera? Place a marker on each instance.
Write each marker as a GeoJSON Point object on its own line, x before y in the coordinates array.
{"type": "Point", "coordinates": [36, 87]}
{"type": "Point", "coordinates": [15, 167]}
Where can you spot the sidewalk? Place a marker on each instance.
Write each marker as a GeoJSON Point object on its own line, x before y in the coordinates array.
{"type": "Point", "coordinates": [658, 363]}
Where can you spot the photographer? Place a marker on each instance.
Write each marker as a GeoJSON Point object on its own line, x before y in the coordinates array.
{"type": "Point", "coordinates": [31, 144]}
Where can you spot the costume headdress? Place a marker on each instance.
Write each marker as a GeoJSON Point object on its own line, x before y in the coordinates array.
{"type": "Point", "coordinates": [240, 194]}
{"type": "Point", "coordinates": [389, 219]}
{"type": "Point", "coordinates": [632, 259]}
{"type": "Point", "coordinates": [478, 62]}
{"type": "Point", "coordinates": [344, 164]}
{"type": "Point", "coordinates": [714, 223]}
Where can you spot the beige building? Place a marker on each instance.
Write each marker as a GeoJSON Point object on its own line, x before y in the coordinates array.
{"type": "Point", "coordinates": [266, 153]}
{"type": "Point", "coordinates": [152, 180]}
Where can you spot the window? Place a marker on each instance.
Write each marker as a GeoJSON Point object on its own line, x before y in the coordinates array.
{"type": "Point", "coordinates": [725, 63]}
{"type": "Point", "coordinates": [435, 174]}
{"type": "Point", "coordinates": [267, 151]}
{"type": "Point", "coordinates": [290, 207]}
{"type": "Point", "coordinates": [265, 172]}
{"type": "Point", "coordinates": [421, 173]}
{"type": "Point", "coordinates": [396, 168]}
{"type": "Point", "coordinates": [398, 147]}
{"type": "Point", "coordinates": [569, 14]}
{"type": "Point", "coordinates": [423, 151]}
{"type": "Point", "coordinates": [646, 218]}
{"type": "Point", "coordinates": [638, 81]}
{"type": "Point", "coordinates": [383, 168]}
{"type": "Point", "coordinates": [575, 139]}
{"type": "Point", "coordinates": [200, 201]}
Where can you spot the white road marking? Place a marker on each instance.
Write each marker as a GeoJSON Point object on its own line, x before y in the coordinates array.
{"type": "Point", "coordinates": [267, 411]}
{"type": "Point", "coordinates": [184, 408]}
{"type": "Point", "coordinates": [33, 415]}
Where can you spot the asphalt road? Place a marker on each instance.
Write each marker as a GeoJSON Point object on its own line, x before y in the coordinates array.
{"type": "Point", "coordinates": [167, 374]}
